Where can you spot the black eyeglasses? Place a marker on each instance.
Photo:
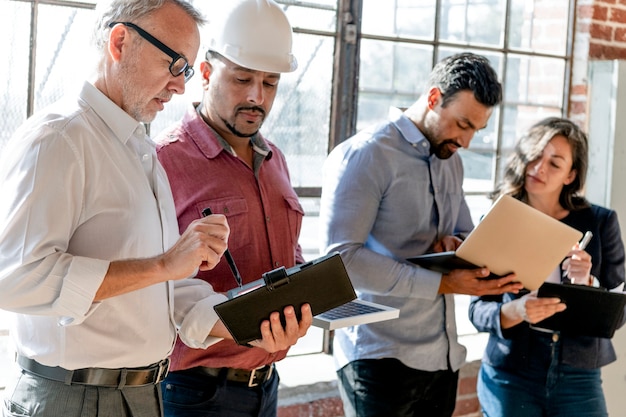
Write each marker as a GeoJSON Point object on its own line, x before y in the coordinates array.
{"type": "Point", "coordinates": [179, 64]}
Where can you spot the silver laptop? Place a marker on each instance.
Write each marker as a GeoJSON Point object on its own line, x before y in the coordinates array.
{"type": "Point", "coordinates": [511, 237]}
{"type": "Point", "coordinates": [353, 313]}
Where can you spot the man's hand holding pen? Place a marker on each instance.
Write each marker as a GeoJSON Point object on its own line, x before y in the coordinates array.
{"type": "Point", "coordinates": [201, 246]}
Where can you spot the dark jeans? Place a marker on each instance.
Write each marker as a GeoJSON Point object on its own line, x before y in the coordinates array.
{"type": "Point", "coordinates": [189, 393]}
{"type": "Point", "coordinates": [388, 388]}
{"type": "Point", "coordinates": [542, 387]}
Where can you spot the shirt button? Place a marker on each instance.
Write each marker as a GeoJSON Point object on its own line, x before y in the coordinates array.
{"type": "Point", "coordinates": [267, 219]}
{"type": "Point", "coordinates": [145, 157]}
{"type": "Point", "coordinates": [555, 337]}
{"type": "Point", "coordinates": [276, 263]}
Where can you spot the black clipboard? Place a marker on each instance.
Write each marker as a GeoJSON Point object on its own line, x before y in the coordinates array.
{"type": "Point", "coordinates": [322, 282]}
{"type": "Point", "coordinates": [590, 311]}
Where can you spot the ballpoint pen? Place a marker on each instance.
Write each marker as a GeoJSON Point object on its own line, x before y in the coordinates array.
{"type": "Point", "coordinates": [581, 245]}
{"type": "Point", "coordinates": [227, 255]}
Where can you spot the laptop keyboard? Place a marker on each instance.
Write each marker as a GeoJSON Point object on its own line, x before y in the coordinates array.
{"type": "Point", "coordinates": [349, 309]}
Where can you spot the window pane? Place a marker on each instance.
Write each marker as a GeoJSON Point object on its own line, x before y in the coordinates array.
{"type": "Point", "coordinates": [473, 21]}
{"type": "Point", "coordinates": [13, 77]}
{"type": "Point", "coordinates": [63, 48]}
{"type": "Point", "coordinates": [478, 205]}
{"type": "Point", "coordinates": [518, 119]}
{"type": "Point", "coordinates": [314, 15]}
{"type": "Point", "coordinates": [391, 74]}
{"type": "Point", "coordinates": [539, 25]}
{"type": "Point", "coordinates": [299, 123]}
{"type": "Point", "coordinates": [479, 167]}
{"type": "Point", "coordinates": [405, 18]}
{"type": "Point", "coordinates": [535, 80]}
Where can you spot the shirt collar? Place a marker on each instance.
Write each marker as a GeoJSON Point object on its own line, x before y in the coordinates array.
{"type": "Point", "coordinates": [121, 123]}
{"type": "Point", "coordinates": [409, 131]}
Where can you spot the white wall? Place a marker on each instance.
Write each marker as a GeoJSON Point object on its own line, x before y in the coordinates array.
{"type": "Point", "coordinates": [607, 186]}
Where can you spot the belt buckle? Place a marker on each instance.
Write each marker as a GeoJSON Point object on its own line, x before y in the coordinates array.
{"type": "Point", "coordinates": [252, 381]}
{"type": "Point", "coordinates": [164, 367]}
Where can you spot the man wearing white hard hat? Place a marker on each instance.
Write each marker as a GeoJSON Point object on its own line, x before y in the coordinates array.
{"type": "Point", "coordinates": [215, 157]}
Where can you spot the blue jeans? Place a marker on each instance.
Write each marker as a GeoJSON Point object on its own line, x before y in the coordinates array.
{"type": "Point", "coordinates": [388, 388]}
{"type": "Point", "coordinates": [561, 391]}
{"type": "Point", "coordinates": [192, 394]}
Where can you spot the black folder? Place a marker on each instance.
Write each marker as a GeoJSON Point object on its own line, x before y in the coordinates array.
{"type": "Point", "coordinates": [322, 282]}
{"type": "Point", "coordinates": [590, 311]}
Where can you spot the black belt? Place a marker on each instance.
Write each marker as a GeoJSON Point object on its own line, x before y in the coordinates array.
{"type": "Point", "coordinates": [251, 378]}
{"type": "Point", "coordinates": [102, 377]}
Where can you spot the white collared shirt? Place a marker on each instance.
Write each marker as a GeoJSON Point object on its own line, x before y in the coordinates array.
{"type": "Point", "coordinates": [80, 186]}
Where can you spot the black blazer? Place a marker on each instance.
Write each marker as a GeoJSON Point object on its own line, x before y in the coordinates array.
{"type": "Point", "coordinates": [511, 348]}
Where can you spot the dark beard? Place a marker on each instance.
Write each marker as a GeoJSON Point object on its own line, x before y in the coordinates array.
{"type": "Point", "coordinates": [441, 150]}
{"type": "Point", "coordinates": [236, 132]}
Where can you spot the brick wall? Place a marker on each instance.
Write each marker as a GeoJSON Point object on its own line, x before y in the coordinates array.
{"type": "Point", "coordinates": [600, 33]}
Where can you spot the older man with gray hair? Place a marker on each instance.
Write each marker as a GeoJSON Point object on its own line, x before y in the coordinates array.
{"type": "Point", "coordinates": [91, 260]}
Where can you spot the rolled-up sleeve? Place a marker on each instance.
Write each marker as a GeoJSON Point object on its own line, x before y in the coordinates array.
{"type": "Point", "coordinates": [37, 274]}
{"type": "Point", "coordinates": [194, 314]}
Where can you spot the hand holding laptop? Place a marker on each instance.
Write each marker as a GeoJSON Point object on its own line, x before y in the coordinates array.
{"type": "Point", "coordinates": [447, 244]}
{"type": "Point", "coordinates": [474, 282]}
{"type": "Point", "coordinates": [512, 237]}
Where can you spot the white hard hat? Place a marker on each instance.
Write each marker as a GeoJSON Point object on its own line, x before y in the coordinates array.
{"type": "Point", "coordinates": [254, 34]}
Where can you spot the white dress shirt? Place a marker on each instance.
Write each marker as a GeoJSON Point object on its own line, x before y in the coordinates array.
{"type": "Point", "coordinates": [81, 186]}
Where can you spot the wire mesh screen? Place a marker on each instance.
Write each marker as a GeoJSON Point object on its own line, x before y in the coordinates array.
{"type": "Point", "coordinates": [64, 52]}
{"type": "Point", "coordinates": [13, 76]}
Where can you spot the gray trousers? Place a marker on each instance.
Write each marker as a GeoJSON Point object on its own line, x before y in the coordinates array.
{"type": "Point", "coordinates": [40, 397]}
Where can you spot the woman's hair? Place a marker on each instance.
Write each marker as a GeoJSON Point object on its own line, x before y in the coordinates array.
{"type": "Point", "coordinates": [530, 146]}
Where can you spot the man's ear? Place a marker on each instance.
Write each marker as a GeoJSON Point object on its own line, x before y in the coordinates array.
{"type": "Point", "coordinates": [118, 37]}
{"type": "Point", "coordinates": [434, 95]}
{"type": "Point", "coordinates": [205, 72]}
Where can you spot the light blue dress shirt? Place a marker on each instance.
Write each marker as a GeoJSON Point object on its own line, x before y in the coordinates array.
{"type": "Point", "coordinates": [384, 199]}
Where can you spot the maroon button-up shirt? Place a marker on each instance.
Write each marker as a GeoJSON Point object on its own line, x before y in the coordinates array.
{"type": "Point", "coordinates": [262, 209]}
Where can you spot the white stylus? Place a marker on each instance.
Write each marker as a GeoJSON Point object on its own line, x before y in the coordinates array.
{"type": "Point", "coordinates": [581, 245]}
